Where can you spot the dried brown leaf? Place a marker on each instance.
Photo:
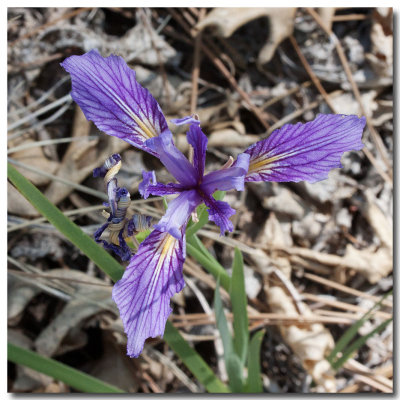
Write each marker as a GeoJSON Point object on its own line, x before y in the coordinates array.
{"type": "Point", "coordinates": [17, 204]}
{"type": "Point", "coordinates": [81, 158]}
{"type": "Point", "coordinates": [228, 20]}
{"type": "Point", "coordinates": [310, 343]}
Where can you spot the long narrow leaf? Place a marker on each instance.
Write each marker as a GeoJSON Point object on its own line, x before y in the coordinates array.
{"type": "Point", "coordinates": [254, 381]}
{"type": "Point", "coordinates": [234, 368]}
{"type": "Point", "coordinates": [358, 343]}
{"type": "Point", "coordinates": [193, 360]}
{"type": "Point", "coordinates": [70, 230]}
{"type": "Point", "coordinates": [351, 332]}
{"type": "Point", "coordinates": [222, 323]}
{"type": "Point", "coordinates": [212, 266]}
{"type": "Point", "coordinates": [71, 376]}
{"type": "Point", "coordinates": [239, 308]}
{"type": "Point", "coordinates": [232, 361]}
{"type": "Point", "coordinates": [198, 244]}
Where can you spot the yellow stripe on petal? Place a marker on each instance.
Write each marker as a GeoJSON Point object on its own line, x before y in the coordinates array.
{"type": "Point", "coordinates": [255, 166]}
{"type": "Point", "coordinates": [146, 131]}
{"type": "Point", "coordinates": [168, 244]}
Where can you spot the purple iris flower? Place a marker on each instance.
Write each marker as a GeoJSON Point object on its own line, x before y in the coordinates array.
{"type": "Point", "coordinates": [108, 93]}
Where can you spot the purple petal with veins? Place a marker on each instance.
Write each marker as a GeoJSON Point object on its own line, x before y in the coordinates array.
{"type": "Point", "coordinates": [146, 187]}
{"type": "Point", "coordinates": [175, 162]}
{"type": "Point", "coordinates": [107, 91]}
{"type": "Point", "coordinates": [178, 213]}
{"type": "Point", "coordinates": [198, 140]}
{"type": "Point", "coordinates": [229, 178]}
{"type": "Point", "coordinates": [307, 151]}
{"type": "Point", "coordinates": [219, 212]}
{"type": "Point", "coordinates": [143, 295]}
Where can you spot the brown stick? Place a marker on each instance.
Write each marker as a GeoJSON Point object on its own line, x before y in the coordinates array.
{"type": "Point", "coordinates": [220, 65]}
{"type": "Point", "coordinates": [345, 289]}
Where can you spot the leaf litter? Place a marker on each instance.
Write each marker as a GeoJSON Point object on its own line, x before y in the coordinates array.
{"type": "Point", "coordinates": [317, 255]}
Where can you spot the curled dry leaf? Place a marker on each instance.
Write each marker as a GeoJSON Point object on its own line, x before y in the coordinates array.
{"type": "Point", "coordinates": [89, 297]}
{"type": "Point", "coordinates": [140, 44]}
{"type": "Point", "coordinates": [34, 157]}
{"type": "Point", "coordinates": [381, 56]}
{"type": "Point", "coordinates": [381, 225]}
{"type": "Point", "coordinates": [274, 236]}
{"type": "Point", "coordinates": [311, 343]}
{"type": "Point", "coordinates": [228, 20]}
{"type": "Point", "coordinates": [285, 202]}
{"type": "Point", "coordinates": [373, 265]}
{"type": "Point", "coordinates": [19, 294]}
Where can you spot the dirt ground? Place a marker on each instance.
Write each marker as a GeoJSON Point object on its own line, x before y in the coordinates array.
{"type": "Point", "coordinates": [320, 253]}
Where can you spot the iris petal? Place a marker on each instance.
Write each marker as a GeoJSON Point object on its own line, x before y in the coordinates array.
{"type": "Point", "coordinates": [175, 162]}
{"type": "Point", "coordinates": [143, 294]}
{"type": "Point", "coordinates": [178, 213]}
{"type": "Point", "coordinates": [229, 178]}
{"type": "Point", "coordinates": [107, 91]}
{"type": "Point", "coordinates": [149, 186]}
{"type": "Point", "coordinates": [198, 140]}
{"type": "Point", "coordinates": [219, 212]}
{"type": "Point", "coordinates": [305, 151]}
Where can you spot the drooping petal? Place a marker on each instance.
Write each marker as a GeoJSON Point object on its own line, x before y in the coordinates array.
{"type": "Point", "coordinates": [198, 140]}
{"type": "Point", "coordinates": [305, 151]}
{"type": "Point", "coordinates": [110, 163]}
{"type": "Point", "coordinates": [175, 162]}
{"type": "Point", "coordinates": [149, 186]}
{"type": "Point", "coordinates": [122, 250]}
{"type": "Point", "coordinates": [219, 212]}
{"type": "Point", "coordinates": [143, 295]}
{"type": "Point", "coordinates": [178, 213]}
{"type": "Point", "coordinates": [107, 91]}
{"type": "Point", "coordinates": [229, 178]}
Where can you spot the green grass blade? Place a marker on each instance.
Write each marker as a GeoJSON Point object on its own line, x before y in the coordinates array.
{"type": "Point", "coordinates": [232, 361]}
{"type": "Point", "coordinates": [358, 343]}
{"type": "Point", "coordinates": [234, 368]}
{"type": "Point", "coordinates": [350, 333]}
{"type": "Point", "coordinates": [239, 308]}
{"type": "Point", "coordinates": [70, 376]}
{"type": "Point", "coordinates": [210, 264]}
{"type": "Point", "coordinates": [70, 230]}
{"type": "Point", "coordinates": [198, 244]}
{"type": "Point", "coordinates": [254, 381]}
{"type": "Point", "coordinates": [193, 360]}
{"type": "Point", "coordinates": [222, 324]}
